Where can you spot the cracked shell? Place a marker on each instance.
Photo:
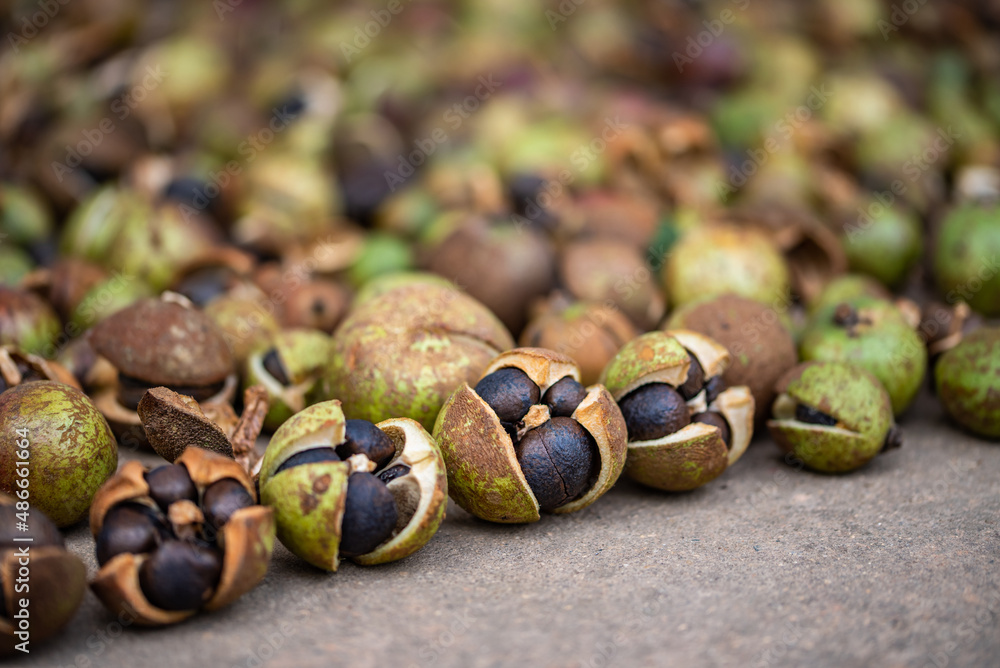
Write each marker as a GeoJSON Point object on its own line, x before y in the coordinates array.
{"type": "Point", "coordinates": [247, 539]}
{"type": "Point", "coordinates": [401, 353]}
{"type": "Point", "coordinates": [308, 499]}
{"type": "Point", "coordinates": [968, 378]}
{"type": "Point", "coordinates": [484, 476]}
{"type": "Point", "coordinates": [847, 394]}
{"type": "Point", "coordinates": [303, 354]}
{"type": "Point", "coordinates": [58, 582]}
{"type": "Point", "coordinates": [695, 454]}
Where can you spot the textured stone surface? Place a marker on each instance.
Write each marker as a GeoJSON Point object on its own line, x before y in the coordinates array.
{"type": "Point", "coordinates": [895, 565]}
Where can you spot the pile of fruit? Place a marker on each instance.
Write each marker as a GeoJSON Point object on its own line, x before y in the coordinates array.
{"type": "Point", "coordinates": [336, 266]}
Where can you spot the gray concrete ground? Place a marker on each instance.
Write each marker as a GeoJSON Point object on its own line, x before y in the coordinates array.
{"type": "Point", "coordinates": [895, 565]}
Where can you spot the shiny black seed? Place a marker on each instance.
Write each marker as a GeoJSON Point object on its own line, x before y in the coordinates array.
{"type": "Point", "coordinates": [563, 397]}
{"type": "Point", "coordinates": [556, 459]}
{"type": "Point", "coordinates": [393, 472]}
{"type": "Point", "coordinates": [129, 527]}
{"type": "Point", "coordinates": [180, 575]}
{"type": "Point", "coordinates": [272, 364]}
{"type": "Point", "coordinates": [654, 411]}
{"type": "Point", "coordinates": [203, 285]}
{"type": "Point", "coordinates": [326, 454]}
{"type": "Point", "coordinates": [41, 529]}
{"type": "Point", "coordinates": [713, 388]}
{"type": "Point", "coordinates": [170, 483]}
{"type": "Point", "coordinates": [363, 437]}
{"type": "Point", "coordinates": [369, 515]}
{"type": "Point", "coordinates": [716, 420]}
{"type": "Point", "coordinates": [509, 392]}
{"type": "Point", "coordinates": [223, 498]}
{"type": "Point", "coordinates": [804, 413]}
{"type": "Point", "coordinates": [695, 380]}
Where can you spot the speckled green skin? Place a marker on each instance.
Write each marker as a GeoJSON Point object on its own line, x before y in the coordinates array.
{"type": "Point", "coordinates": [968, 382]}
{"type": "Point", "coordinates": [888, 248]}
{"type": "Point", "coordinates": [678, 467]}
{"type": "Point", "coordinates": [400, 354]}
{"type": "Point", "coordinates": [849, 288]}
{"type": "Point", "coordinates": [889, 348]}
{"type": "Point", "coordinates": [967, 261]}
{"type": "Point", "coordinates": [27, 321]}
{"type": "Point", "coordinates": [852, 396]}
{"type": "Point", "coordinates": [72, 449]}
{"type": "Point", "coordinates": [380, 285]}
{"type": "Point", "coordinates": [639, 357]}
{"type": "Point", "coordinates": [719, 259]}
{"type": "Point", "coordinates": [304, 353]}
{"type": "Point", "coordinates": [308, 500]}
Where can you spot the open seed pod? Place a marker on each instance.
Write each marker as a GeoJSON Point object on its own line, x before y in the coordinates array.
{"type": "Point", "coordinates": [288, 368]}
{"type": "Point", "coordinates": [685, 427]}
{"type": "Point", "coordinates": [350, 488]}
{"type": "Point", "coordinates": [160, 342]}
{"type": "Point", "coordinates": [58, 578]}
{"type": "Point", "coordinates": [529, 439]}
{"type": "Point", "coordinates": [17, 366]}
{"type": "Point", "coordinates": [834, 417]}
{"type": "Point", "coordinates": [180, 538]}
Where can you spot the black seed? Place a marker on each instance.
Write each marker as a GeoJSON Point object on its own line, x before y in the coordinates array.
{"type": "Point", "coordinates": [203, 285]}
{"type": "Point", "coordinates": [563, 397]}
{"type": "Point", "coordinates": [695, 380]}
{"type": "Point", "coordinates": [654, 411]}
{"type": "Point", "coordinates": [325, 454]}
{"type": "Point", "coordinates": [222, 499]}
{"type": "Point", "coordinates": [180, 575]}
{"type": "Point", "coordinates": [556, 459]}
{"type": "Point", "coordinates": [390, 474]}
{"type": "Point", "coordinates": [804, 413]}
{"type": "Point", "coordinates": [129, 527]}
{"type": "Point", "coordinates": [716, 420]}
{"type": "Point", "coordinates": [511, 429]}
{"type": "Point", "coordinates": [713, 388]}
{"type": "Point", "coordinates": [40, 528]}
{"type": "Point", "coordinates": [186, 190]}
{"type": "Point", "coordinates": [131, 390]}
{"type": "Point", "coordinates": [369, 515]}
{"type": "Point", "coordinates": [363, 437]}
{"type": "Point", "coordinates": [509, 392]}
{"type": "Point", "coordinates": [170, 483]}
{"type": "Point", "coordinates": [272, 364]}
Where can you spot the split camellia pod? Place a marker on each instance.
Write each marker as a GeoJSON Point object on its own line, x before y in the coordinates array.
{"type": "Point", "coordinates": [529, 439]}
{"type": "Point", "coordinates": [685, 427]}
{"type": "Point", "coordinates": [17, 366]}
{"type": "Point", "coordinates": [967, 379]}
{"type": "Point", "coordinates": [288, 368]}
{"type": "Point", "coordinates": [373, 493]}
{"type": "Point", "coordinates": [57, 583]}
{"type": "Point", "coordinates": [161, 342]}
{"type": "Point", "coordinates": [834, 417]}
{"type": "Point", "coordinates": [180, 538]}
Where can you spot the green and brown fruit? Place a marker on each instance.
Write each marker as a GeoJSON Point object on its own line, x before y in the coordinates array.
{"type": "Point", "coordinates": [288, 367]}
{"type": "Point", "coordinates": [872, 334]}
{"type": "Point", "coordinates": [179, 538]}
{"type": "Point", "coordinates": [685, 427]}
{"type": "Point", "coordinates": [72, 450]}
{"type": "Point", "coordinates": [27, 321]}
{"type": "Point", "coordinates": [965, 259]}
{"type": "Point", "coordinates": [529, 438]}
{"type": "Point", "coordinates": [833, 417]}
{"type": "Point", "coordinates": [402, 352]}
{"type": "Point", "coordinates": [350, 488]}
{"type": "Point", "coordinates": [968, 382]}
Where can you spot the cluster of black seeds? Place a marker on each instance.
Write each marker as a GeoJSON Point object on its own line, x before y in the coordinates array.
{"type": "Point", "coordinates": [183, 563]}
{"type": "Point", "coordinates": [370, 512]}
{"type": "Point", "coordinates": [559, 458]}
{"type": "Point", "coordinates": [655, 410]}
